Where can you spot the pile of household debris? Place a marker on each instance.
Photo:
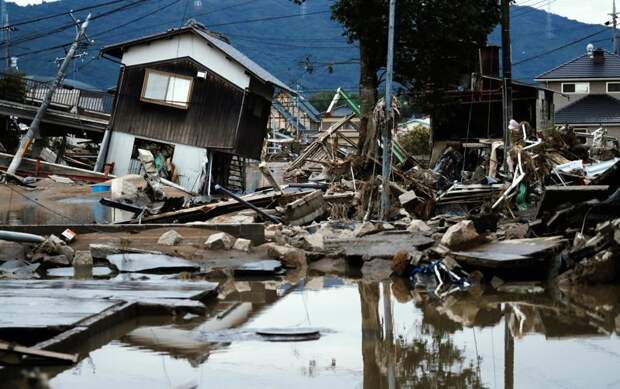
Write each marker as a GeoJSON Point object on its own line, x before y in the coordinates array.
{"type": "Point", "coordinates": [478, 212]}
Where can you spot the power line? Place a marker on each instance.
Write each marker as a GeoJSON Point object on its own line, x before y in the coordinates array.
{"type": "Point", "coordinates": [34, 20]}
{"type": "Point", "coordinates": [269, 18]}
{"type": "Point", "coordinates": [104, 14]}
{"type": "Point", "coordinates": [38, 35]}
{"type": "Point", "coordinates": [559, 48]}
{"type": "Point", "coordinates": [136, 19]}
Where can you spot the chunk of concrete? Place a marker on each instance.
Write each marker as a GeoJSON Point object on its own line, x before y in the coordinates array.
{"type": "Point", "coordinates": [55, 260]}
{"type": "Point", "coordinates": [377, 270]}
{"type": "Point", "coordinates": [459, 234]}
{"type": "Point", "coordinates": [53, 245]}
{"type": "Point", "coordinates": [290, 256]}
{"type": "Point", "coordinates": [11, 250]}
{"type": "Point", "coordinates": [330, 266]}
{"type": "Point", "coordinates": [170, 238]}
{"type": "Point", "coordinates": [367, 228]}
{"type": "Point", "coordinates": [243, 245]}
{"type": "Point", "coordinates": [417, 226]}
{"type": "Point", "coordinates": [82, 258]}
{"type": "Point", "coordinates": [220, 241]}
{"type": "Point", "coordinates": [314, 242]}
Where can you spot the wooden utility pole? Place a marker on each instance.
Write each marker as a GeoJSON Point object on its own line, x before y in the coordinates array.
{"type": "Point", "coordinates": [33, 131]}
{"type": "Point", "coordinates": [387, 130]}
{"type": "Point", "coordinates": [507, 70]}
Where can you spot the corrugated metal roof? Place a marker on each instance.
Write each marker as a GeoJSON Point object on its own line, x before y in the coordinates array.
{"type": "Point", "coordinates": [584, 67]}
{"type": "Point", "coordinates": [592, 109]}
{"type": "Point", "coordinates": [237, 56]}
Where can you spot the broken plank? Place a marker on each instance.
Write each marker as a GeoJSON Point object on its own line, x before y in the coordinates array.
{"type": "Point", "coordinates": [38, 353]}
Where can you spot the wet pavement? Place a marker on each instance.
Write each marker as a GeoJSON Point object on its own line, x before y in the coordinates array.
{"type": "Point", "coordinates": [563, 339]}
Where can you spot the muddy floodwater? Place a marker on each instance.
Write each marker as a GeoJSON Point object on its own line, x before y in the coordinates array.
{"type": "Point", "coordinates": [372, 336]}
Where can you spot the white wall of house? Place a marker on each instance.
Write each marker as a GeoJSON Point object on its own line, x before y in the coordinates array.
{"type": "Point", "coordinates": [189, 161]}
{"type": "Point", "coordinates": [188, 45]}
{"type": "Point", "coordinates": [119, 152]}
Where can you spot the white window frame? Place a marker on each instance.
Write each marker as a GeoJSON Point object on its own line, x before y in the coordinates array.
{"type": "Point", "coordinates": [612, 82]}
{"type": "Point", "coordinates": [576, 92]}
{"type": "Point", "coordinates": [171, 76]}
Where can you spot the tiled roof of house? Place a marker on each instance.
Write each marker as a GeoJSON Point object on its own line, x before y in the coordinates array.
{"type": "Point", "coordinates": [592, 109]}
{"type": "Point", "coordinates": [584, 67]}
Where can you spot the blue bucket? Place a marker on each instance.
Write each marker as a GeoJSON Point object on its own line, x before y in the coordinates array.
{"type": "Point", "coordinates": [100, 188]}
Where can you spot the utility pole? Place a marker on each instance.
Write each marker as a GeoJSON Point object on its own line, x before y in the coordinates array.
{"type": "Point", "coordinates": [6, 35]}
{"type": "Point", "coordinates": [507, 68]}
{"type": "Point", "coordinates": [614, 16]}
{"type": "Point", "coordinates": [33, 131]}
{"type": "Point", "coordinates": [387, 130]}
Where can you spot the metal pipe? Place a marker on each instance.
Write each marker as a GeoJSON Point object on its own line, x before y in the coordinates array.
{"type": "Point", "coordinates": [22, 237]}
{"type": "Point", "coordinates": [274, 219]}
{"type": "Point", "coordinates": [387, 131]}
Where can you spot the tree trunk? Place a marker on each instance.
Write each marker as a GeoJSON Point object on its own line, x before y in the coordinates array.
{"type": "Point", "coordinates": [368, 99]}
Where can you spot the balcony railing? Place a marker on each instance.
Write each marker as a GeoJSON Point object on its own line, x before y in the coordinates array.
{"type": "Point", "coordinates": [75, 100]}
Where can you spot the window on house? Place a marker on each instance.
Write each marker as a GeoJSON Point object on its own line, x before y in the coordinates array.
{"type": "Point", "coordinates": [576, 87]}
{"type": "Point", "coordinates": [166, 88]}
{"type": "Point", "coordinates": [613, 87]}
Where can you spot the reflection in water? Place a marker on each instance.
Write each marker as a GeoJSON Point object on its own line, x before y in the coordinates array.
{"type": "Point", "coordinates": [428, 360]}
{"type": "Point", "coordinates": [373, 336]}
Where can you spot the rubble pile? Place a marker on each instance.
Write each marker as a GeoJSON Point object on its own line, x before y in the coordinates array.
{"type": "Point", "coordinates": [476, 213]}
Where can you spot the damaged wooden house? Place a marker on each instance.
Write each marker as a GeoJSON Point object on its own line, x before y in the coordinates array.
{"type": "Point", "coordinates": [471, 115]}
{"type": "Point", "coordinates": [197, 103]}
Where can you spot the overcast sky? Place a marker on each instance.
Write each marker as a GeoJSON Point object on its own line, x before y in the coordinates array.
{"type": "Point", "coordinates": [588, 11]}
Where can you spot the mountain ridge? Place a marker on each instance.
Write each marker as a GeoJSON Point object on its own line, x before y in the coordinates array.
{"type": "Point", "coordinates": [286, 39]}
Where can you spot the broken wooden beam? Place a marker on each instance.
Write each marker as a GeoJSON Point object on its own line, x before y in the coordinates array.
{"type": "Point", "coordinates": [51, 356]}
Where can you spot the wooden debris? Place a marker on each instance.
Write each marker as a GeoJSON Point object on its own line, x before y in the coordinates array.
{"type": "Point", "coordinates": [50, 356]}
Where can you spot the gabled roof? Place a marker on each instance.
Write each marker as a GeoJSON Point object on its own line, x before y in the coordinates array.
{"type": "Point", "coordinates": [584, 68]}
{"type": "Point", "coordinates": [592, 109]}
{"type": "Point", "coordinates": [211, 38]}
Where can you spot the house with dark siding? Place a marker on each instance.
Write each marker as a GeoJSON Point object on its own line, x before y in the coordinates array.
{"type": "Point", "coordinates": [188, 94]}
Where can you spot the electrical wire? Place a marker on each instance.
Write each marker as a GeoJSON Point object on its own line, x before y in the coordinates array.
{"type": "Point", "coordinates": [35, 20]}
{"type": "Point", "coordinates": [34, 36]}
{"type": "Point", "coordinates": [107, 13]}
{"type": "Point", "coordinates": [559, 48]}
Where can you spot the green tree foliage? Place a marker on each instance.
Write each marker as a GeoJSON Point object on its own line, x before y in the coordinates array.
{"type": "Point", "coordinates": [321, 100]}
{"type": "Point", "coordinates": [12, 86]}
{"type": "Point", "coordinates": [416, 141]}
{"type": "Point", "coordinates": [436, 43]}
